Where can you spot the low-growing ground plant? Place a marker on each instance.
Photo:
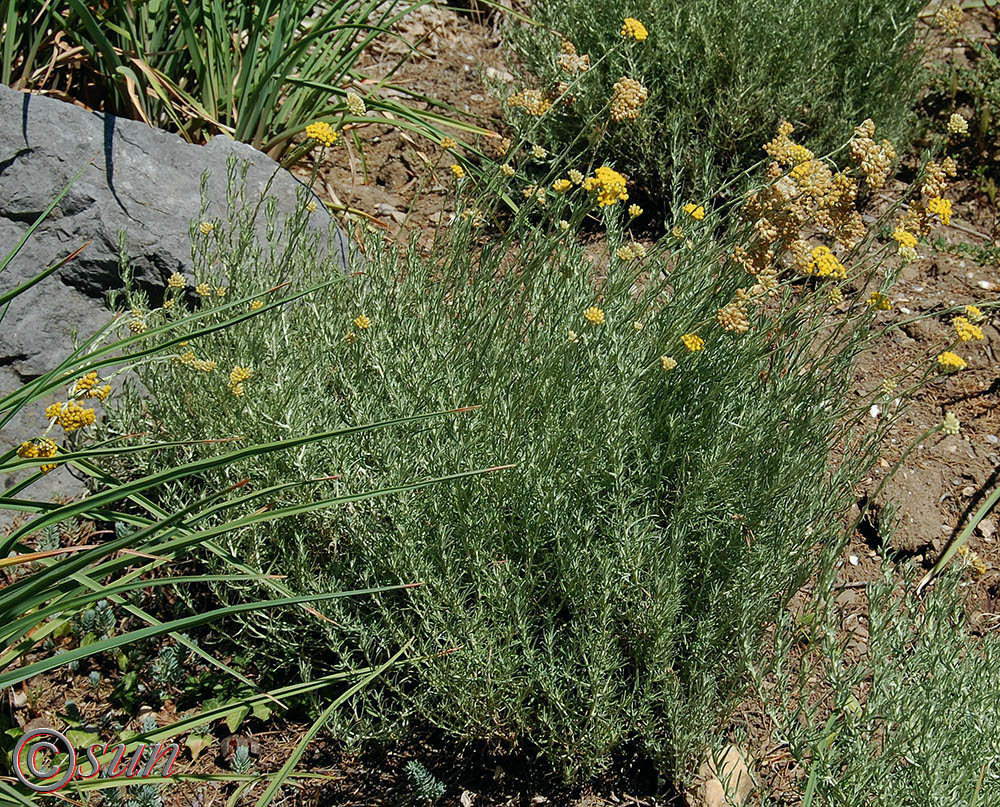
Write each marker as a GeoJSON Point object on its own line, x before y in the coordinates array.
{"type": "Point", "coordinates": [667, 410]}
{"type": "Point", "coordinates": [681, 95]}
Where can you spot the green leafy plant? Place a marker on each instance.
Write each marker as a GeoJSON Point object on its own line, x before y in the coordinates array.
{"type": "Point", "coordinates": [912, 720]}
{"type": "Point", "coordinates": [259, 72]}
{"type": "Point", "coordinates": [668, 415]}
{"type": "Point", "coordinates": [427, 788]}
{"type": "Point", "coordinates": [719, 77]}
{"type": "Point", "coordinates": [47, 590]}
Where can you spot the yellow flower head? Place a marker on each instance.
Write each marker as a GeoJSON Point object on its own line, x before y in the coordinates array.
{"type": "Point", "coordinates": [633, 29]}
{"type": "Point", "coordinates": [70, 415]}
{"type": "Point", "coordinates": [256, 305]}
{"type": "Point", "coordinates": [957, 124]}
{"type": "Point", "coordinates": [974, 314]}
{"type": "Point", "coordinates": [563, 225]}
{"type": "Point", "coordinates": [457, 170]}
{"type": "Point", "coordinates": [965, 330]}
{"type": "Point", "coordinates": [39, 448]}
{"type": "Point", "coordinates": [667, 363]}
{"type": "Point", "coordinates": [594, 315]}
{"type": "Point", "coordinates": [573, 336]}
{"type": "Point", "coordinates": [627, 95]}
{"type": "Point", "coordinates": [531, 101]}
{"type": "Point", "coordinates": [356, 104]}
{"type": "Point", "coordinates": [362, 322]}
{"type": "Point", "coordinates": [507, 170]}
{"type": "Point", "coordinates": [950, 424]}
{"type": "Point", "coordinates": [693, 342]}
{"type": "Point", "coordinates": [825, 264]}
{"type": "Point", "coordinates": [951, 361]}
{"type": "Point", "coordinates": [561, 185]}
{"type": "Point", "coordinates": [322, 132]}
{"type": "Point", "coordinates": [538, 152]}
{"type": "Point", "coordinates": [203, 290]}
{"type": "Point", "coordinates": [879, 302]}
{"type": "Point", "coordinates": [89, 381]}
{"type": "Point", "coordinates": [904, 238]}
{"type": "Point", "coordinates": [176, 281]}
{"type": "Point", "coordinates": [206, 227]}
{"type": "Point", "coordinates": [576, 177]}
{"type": "Point", "coordinates": [634, 211]}
{"type": "Point", "coordinates": [697, 212]}
{"type": "Point", "coordinates": [625, 253]}
{"type": "Point", "coordinates": [609, 185]}
{"type": "Point", "coordinates": [941, 208]}
{"type": "Point", "coordinates": [448, 142]}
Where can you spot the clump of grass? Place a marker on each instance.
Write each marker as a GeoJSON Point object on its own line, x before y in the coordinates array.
{"type": "Point", "coordinates": [667, 413]}
{"type": "Point", "coordinates": [686, 102]}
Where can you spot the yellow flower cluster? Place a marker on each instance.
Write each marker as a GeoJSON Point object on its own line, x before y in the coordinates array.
{"type": "Point", "coordinates": [448, 142]}
{"type": "Point", "coordinates": [531, 101]}
{"type": "Point", "coordinates": [88, 387]}
{"type": "Point", "coordinates": [137, 326]}
{"type": "Point", "coordinates": [594, 315]}
{"type": "Point", "coordinates": [628, 252]}
{"type": "Point", "coordinates": [188, 359]}
{"type": "Point", "coordinates": [951, 361]}
{"type": "Point", "coordinates": [824, 263]}
{"type": "Point", "coordinates": [627, 95]}
{"type": "Point", "coordinates": [457, 170]}
{"type": "Point", "coordinates": [609, 186]}
{"type": "Point", "coordinates": [976, 563]}
{"type": "Point", "coordinates": [176, 281]}
{"type": "Point", "coordinates": [950, 424]}
{"type": "Point", "coordinates": [70, 415]}
{"type": "Point", "coordinates": [950, 18]}
{"type": "Point", "coordinates": [965, 330]}
{"type": "Point", "coordinates": [667, 363]}
{"type": "Point", "coordinates": [322, 132]}
{"type": "Point", "coordinates": [633, 29]}
{"type": "Point", "coordinates": [634, 211]}
{"type": "Point", "coordinates": [237, 376]}
{"type": "Point", "coordinates": [917, 218]}
{"type": "Point", "coordinates": [693, 342]}
{"type": "Point", "coordinates": [256, 305]}
{"type": "Point", "coordinates": [974, 314]}
{"type": "Point", "coordinates": [732, 317]}
{"type": "Point", "coordinates": [571, 61]}
{"type": "Point", "coordinates": [879, 302]}
{"type": "Point", "coordinates": [39, 448]}
{"type": "Point", "coordinates": [940, 208]}
{"type": "Point", "coordinates": [206, 227]}
{"type": "Point", "coordinates": [561, 185]}
{"type": "Point", "coordinates": [904, 239]}
{"type": "Point", "coordinates": [362, 322]}
{"type": "Point", "coordinates": [697, 212]}
{"type": "Point", "coordinates": [356, 104]}
{"type": "Point", "coordinates": [875, 159]}
{"type": "Point", "coordinates": [957, 125]}
{"type": "Point", "coordinates": [783, 150]}
{"type": "Point", "coordinates": [538, 152]}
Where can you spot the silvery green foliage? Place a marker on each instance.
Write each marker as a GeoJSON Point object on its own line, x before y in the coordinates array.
{"type": "Point", "coordinates": [427, 788]}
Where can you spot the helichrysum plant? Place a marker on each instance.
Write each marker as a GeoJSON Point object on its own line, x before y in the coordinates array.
{"type": "Point", "coordinates": [667, 417]}
{"type": "Point", "coordinates": [680, 95]}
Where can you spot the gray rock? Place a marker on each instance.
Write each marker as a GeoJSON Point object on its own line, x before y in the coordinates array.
{"type": "Point", "coordinates": [142, 181]}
